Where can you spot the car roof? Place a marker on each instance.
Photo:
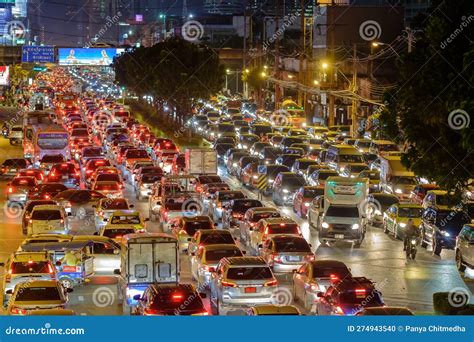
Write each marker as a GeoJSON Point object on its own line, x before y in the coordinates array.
{"type": "Point", "coordinates": [327, 263]}
{"type": "Point", "coordinates": [130, 212]}
{"type": "Point", "coordinates": [408, 205]}
{"type": "Point", "coordinates": [276, 310]}
{"type": "Point", "coordinates": [199, 218]}
{"type": "Point", "coordinates": [273, 220]}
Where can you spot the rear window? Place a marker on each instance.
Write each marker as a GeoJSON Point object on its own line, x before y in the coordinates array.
{"type": "Point", "coordinates": [23, 182]}
{"type": "Point", "coordinates": [64, 168]}
{"type": "Point", "coordinates": [312, 193]}
{"type": "Point", "coordinates": [243, 206]}
{"type": "Point", "coordinates": [283, 228]}
{"type": "Point", "coordinates": [117, 233]}
{"type": "Point", "coordinates": [249, 273]}
{"type": "Point", "coordinates": [177, 301]}
{"type": "Point", "coordinates": [150, 178]}
{"type": "Point", "coordinates": [38, 294]}
{"type": "Point", "coordinates": [193, 226]}
{"type": "Point", "coordinates": [212, 239]}
{"type": "Point", "coordinates": [46, 215]}
{"type": "Point", "coordinates": [218, 254]}
{"type": "Point", "coordinates": [327, 272]}
{"type": "Point", "coordinates": [258, 216]}
{"type": "Point", "coordinates": [19, 163]}
{"type": "Point", "coordinates": [209, 179]}
{"type": "Point", "coordinates": [52, 159]}
{"type": "Point", "coordinates": [230, 196]}
{"type": "Point", "coordinates": [30, 267]}
{"type": "Point", "coordinates": [114, 177]}
{"type": "Point", "coordinates": [108, 186]}
{"type": "Point", "coordinates": [125, 219]}
{"type": "Point", "coordinates": [291, 245]}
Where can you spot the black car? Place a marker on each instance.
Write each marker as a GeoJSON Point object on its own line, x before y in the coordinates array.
{"type": "Point", "coordinates": [440, 227]}
{"type": "Point", "coordinates": [170, 300]}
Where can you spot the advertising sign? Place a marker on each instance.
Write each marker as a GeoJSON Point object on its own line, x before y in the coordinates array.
{"type": "Point", "coordinates": [87, 56]}
{"type": "Point", "coordinates": [4, 75]}
{"type": "Point", "coordinates": [37, 54]}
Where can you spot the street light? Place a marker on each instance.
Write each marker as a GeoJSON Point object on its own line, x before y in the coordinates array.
{"type": "Point", "coordinates": [316, 82]}
{"type": "Point", "coordinates": [377, 44]}
{"type": "Point", "coordinates": [324, 65]}
{"type": "Point", "coordinates": [264, 74]}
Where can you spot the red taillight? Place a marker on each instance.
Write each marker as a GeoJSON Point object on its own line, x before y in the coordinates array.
{"type": "Point", "coordinates": [64, 165]}
{"type": "Point", "coordinates": [18, 311]}
{"type": "Point", "coordinates": [271, 283]}
{"type": "Point", "coordinates": [177, 297]}
{"type": "Point", "coordinates": [209, 268]}
{"type": "Point", "coordinates": [47, 197]}
{"type": "Point", "coordinates": [62, 220]}
{"type": "Point", "coordinates": [100, 213]}
{"type": "Point", "coordinates": [9, 275]}
{"type": "Point", "coordinates": [30, 221]}
{"type": "Point", "coordinates": [50, 269]}
{"type": "Point", "coordinates": [333, 277]}
{"type": "Point", "coordinates": [338, 310]}
{"type": "Point", "coordinates": [310, 257]}
{"type": "Point", "coordinates": [228, 284]}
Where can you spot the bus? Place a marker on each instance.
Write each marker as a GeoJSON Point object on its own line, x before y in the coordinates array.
{"type": "Point", "coordinates": [41, 140]}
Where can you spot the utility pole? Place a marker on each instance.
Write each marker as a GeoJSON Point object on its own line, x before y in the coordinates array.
{"type": "Point", "coordinates": [277, 55]}
{"type": "Point", "coordinates": [301, 74]}
{"type": "Point", "coordinates": [354, 89]}
{"type": "Point", "coordinates": [410, 39]}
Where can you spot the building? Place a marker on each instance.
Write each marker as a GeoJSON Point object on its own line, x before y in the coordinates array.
{"type": "Point", "coordinates": [229, 7]}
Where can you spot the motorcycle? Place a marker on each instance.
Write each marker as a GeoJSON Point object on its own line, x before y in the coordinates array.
{"type": "Point", "coordinates": [411, 248]}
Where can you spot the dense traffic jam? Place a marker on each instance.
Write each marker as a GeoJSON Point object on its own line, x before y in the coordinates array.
{"type": "Point", "coordinates": [81, 151]}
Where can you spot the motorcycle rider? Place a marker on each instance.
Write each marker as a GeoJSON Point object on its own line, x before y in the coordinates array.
{"type": "Point", "coordinates": [410, 231]}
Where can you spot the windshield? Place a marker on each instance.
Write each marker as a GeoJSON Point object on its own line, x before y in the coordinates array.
{"type": "Point", "coordinates": [351, 158]}
{"type": "Point", "coordinates": [52, 141]}
{"type": "Point", "coordinates": [249, 273]}
{"type": "Point", "coordinates": [125, 219]}
{"type": "Point", "coordinates": [357, 168]}
{"type": "Point", "coordinates": [46, 294]}
{"type": "Point", "coordinates": [326, 175]}
{"type": "Point", "coordinates": [150, 178]}
{"type": "Point", "coordinates": [363, 144]}
{"type": "Point", "coordinates": [388, 148]}
{"type": "Point", "coordinates": [385, 201]}
{"type": "Point", "coordinates": [291, 245]}
{"type": "Point", "coordinates": [335, 211]}
{"type": "Point", "coordinates": [215, 256]}
{"type": "Point", "coordinates": [258, 216]}
{"type": "Point", "coordinates": [410, 212]}
{"type": "Point", "coordinates": [46, 215]}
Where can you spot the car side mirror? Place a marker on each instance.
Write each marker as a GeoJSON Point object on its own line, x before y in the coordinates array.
{"type": "Point", "coordinates": [137, 297]}
{"type": "Point", "coordinates": [117, 271]}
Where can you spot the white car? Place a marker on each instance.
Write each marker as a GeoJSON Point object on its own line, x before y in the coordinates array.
{"type": "Point", "coordinates": [37, 295]}
{"type": "Point", "coordinates": [48, 219]}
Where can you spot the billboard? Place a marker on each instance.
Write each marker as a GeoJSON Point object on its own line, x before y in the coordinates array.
{"type": "Point", "coordinates": [4, 75]}
{"type": "Point", "coordinates": [37, 54]}
{"type": "Point", "coordinates": [87, 56]}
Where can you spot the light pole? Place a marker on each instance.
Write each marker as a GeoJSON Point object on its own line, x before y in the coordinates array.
{"type": "Point", "coordinates": [377, 44]}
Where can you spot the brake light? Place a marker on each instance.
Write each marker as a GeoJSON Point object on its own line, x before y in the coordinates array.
{"type": "Point", "coordinates": [100, 213]}
{"type": "Point", "coordinates": [273, 282]}
{"type": "Point", "coordinates": [310, 257]}
{"type": "Point", "coordinates": [17, 311]}
{"type": "Point", "coordinates": [177, 297]}
{"type": "Point", "coordinates": [50, 269]}
{"type": "Point", "coordinates": [276, 258]}
{"type": "Point", "coordinates": [62, 221]}
{"type": "Point", "coordinates": [30, 221]}
{"type": "Point", "coordinates": [64, 165]}
{"type": "Point", "coordinates": [9, 275]}
{"type": "Point", "coordinates": [47, 197]}
{"type": "Point", "coordinates": [360, 291]}
{"type": "Point", "coordinates": [314, 287]}
{"type": "Point", "coordinates": [228, 284]}
{"type": "Point", "coordinates": [333, 277]}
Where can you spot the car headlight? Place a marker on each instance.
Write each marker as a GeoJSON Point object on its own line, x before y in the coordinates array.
{"type": "Point", "coordinates": [325, 225]}
{"type": "Point", "coordinates": [352, 176]}
{"type": "Point", "coordinates": [266, 162]}
{"type": "Point", "coordinates": [398, 191]}
{"type": "Point", "coordinates": [285, 191]}
{"type": "Point", "coordinates": [444, 233]}
{"type": "Point", "coordinates": [355, 226]}
{"type": "Point", "coordinates": [306, 204]}
{"type": "Point", "coordinates": [341, 169]}
{"type": "Point", "coordinates": [270, 181]}
{"type": "Point", "coordinates": [255, 177]}
{"type": "Point", "coordinates": [403, 225]}
{"type": "Point", "coordinates": [234, 164]}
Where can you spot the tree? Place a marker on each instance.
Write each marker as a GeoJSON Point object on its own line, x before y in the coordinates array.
{"type": "Point", "coordinates": [431, 109]}
{"type": "Point", "coordinates": [174, 72]}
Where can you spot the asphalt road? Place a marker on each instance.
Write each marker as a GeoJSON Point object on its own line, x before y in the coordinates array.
{"type": "Point", "coordinates": [380, 258]}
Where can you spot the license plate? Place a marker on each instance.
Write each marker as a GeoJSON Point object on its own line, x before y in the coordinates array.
{"type": "Point", "coordinates": [65, 178]}
{"type": "Point", "coordinates": [293, 258]}
{"type": "Point", "coordinates": [250, 290]}
{"type": "Point", "coordinates": [339, 236]}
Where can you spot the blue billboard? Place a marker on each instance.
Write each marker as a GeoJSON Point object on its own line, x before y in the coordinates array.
{"type": "Point", "coordinates": [37, 54]}
{"type": "Point", "coordinates": [87, 56]}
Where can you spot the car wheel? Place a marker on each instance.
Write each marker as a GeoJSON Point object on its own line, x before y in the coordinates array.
{"type": "Point", "coordinates": [459, 263]}
{"type": "Point", "coordinates": [436, 246]}
{"type": "Point", "coordinates": [66, 283]}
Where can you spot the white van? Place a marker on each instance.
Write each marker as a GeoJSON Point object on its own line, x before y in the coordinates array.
{"type": "Point", "coordinates": [48, 219]}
